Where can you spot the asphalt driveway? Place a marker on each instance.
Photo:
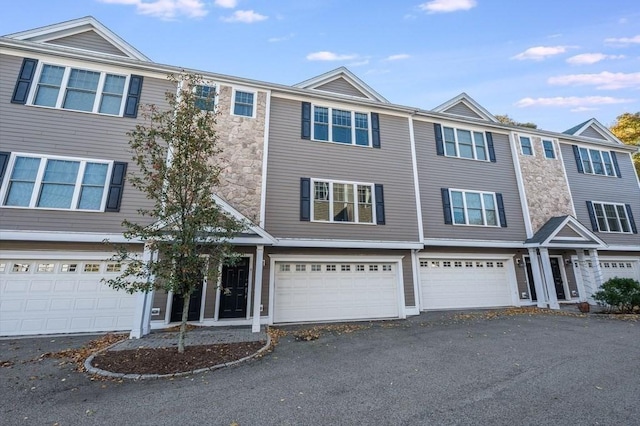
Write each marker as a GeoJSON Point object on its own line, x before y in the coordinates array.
{"type": "Point", "coordinates": [431, 369]}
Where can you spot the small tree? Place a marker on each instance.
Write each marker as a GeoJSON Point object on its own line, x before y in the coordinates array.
{"type": "Point", "coordinates": [505, 119]}
{"type": "Point", "coordinates": [627, 129]}
{"type": "Point", "coordinates": [620, 293]}
{"type": "Point", "coordinates": [175, 151]}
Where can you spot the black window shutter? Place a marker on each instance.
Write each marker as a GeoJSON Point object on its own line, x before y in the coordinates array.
{"type": "Point", "coordinates": [27, 71]}
{"type": "Point", "coordinates": [492, 152]}
{"type": "Point", "coordinates": [616, 167]}
{"type": "Point", "coordinates": [446, 206]}
{"type": "Point", "coordinates": [306, 121]}
{"type": "Point", "coordinates": [501, 213]}
{"type": "Point", "coordinates": [592, 216]}
{"type": "Point", "coordinates": [380, 219]}
{"type": "Point", "coordinates": [305, 199]}
{"type": "Point", "coordinates": [116, 187]}
{"type": "Point", "coordinates": [437, 130]}
{"type": "Point", "coordinates": [632, 222]}
{"type": "Point", "coordinates": [4, 161]}
{"type": "Point", "coordinates": [576, 153]}
{"type": "Point", "coordinates": [375, 130]}
{"type": "Point", "coordinates": [133, 96]}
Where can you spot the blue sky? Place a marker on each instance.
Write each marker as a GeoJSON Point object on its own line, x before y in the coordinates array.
{"type": "Point", "coordinates": [553, 62]}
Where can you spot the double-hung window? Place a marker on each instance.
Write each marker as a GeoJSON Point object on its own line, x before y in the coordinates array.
{"type": "Point", "coordinates": [549, 151]}
{"type": "Point", "coordinates": [597, 162]}
{"type": "Point", "coordinates": [464, 143]}
{"type": "Point", "coordinates": [80, 90]}
{"type": "Point", "coordinates": [56, 183]}
{"type": "Point", "coordinates": [243, 103]}
{"type": "Point", "coordinates": [474, 208]}
{"type": "Point", "coordinates": [205, 97]}
{"type": "Point", "coordinates": [342, 126]}
{"type": "Point", "coordinates": [611, 217]}
{"type": "Point", "coordinates": [342, 202]}
{"type": "Point", "coordinates": [525, 145]}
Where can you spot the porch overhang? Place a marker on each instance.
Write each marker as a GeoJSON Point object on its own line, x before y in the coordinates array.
{"type": "Point", "coordinates": [565, 232]}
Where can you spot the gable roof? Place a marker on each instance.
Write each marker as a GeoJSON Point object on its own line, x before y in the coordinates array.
{"type": "Point", "coordinates": [592, 128]}
{"type": "Point", "coordinates": [341, 75]}
{"type": "Point", "coordinates": [577, 235]}
{"type": "Point", "coordinates": [464, 105]}
{"type": "Point", "coordinates": [90, 29]}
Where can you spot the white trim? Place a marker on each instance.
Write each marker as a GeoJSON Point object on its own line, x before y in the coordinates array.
{"type": "Point", "coordinates": [57, 255]}
{"type": "Point", "coordinates": [254, 92]}
{"type": "Point", "coordinates": [599, 128]}
{"type": "Point", "coordinates": [322, 243]}
{"type": "Point", "coordinates": [257, 300]}
{"type": "Point", "coordinates": [63, 236]}
{"type": "Point", "coordinates": [470, 103]}
{"type": "Point", "coordinates": [331, 201]}
{"type": "Point", "coordinates": [563, 275]}
{"type": "Point", "coordinates": [474, 151]}
{"type": "Point", "coordinates": [489, 256]}
{"type": "Point", "coordinates": [416, 180]}
{"type": "Point", "coordinates": [353, 129]}
{"type": "Point", "coordinates": [606, 218]}
{"type": "Point", "coordinates": [483, 209]}
{"type": "Point", "coordinates": [620, 248]}
{"type": "Point", "coordinates": [520, 181]}
{"type": "Point", "coordinates": [344, 73]}
{"type": "Point", "coordinates": [415, 269]}
{"type": "Point", "coordinates": [530, 137]}
{"type": "Point", "coordinates": [602, 163]}
{"type": "Point", "coordinates": [553, 147]}
{"type": "Point", "coordinates": [566, 176]}
{"type": "Point", "coordinates": [472, 243]}
{"type": "Point", "coordinates": [265, 156]}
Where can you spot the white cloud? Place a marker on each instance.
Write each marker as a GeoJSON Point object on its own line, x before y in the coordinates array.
{"type": "Point", "coordinates": [359, 63]}
{"type": "Point", "coordinates": [166, 9]}
{"type": "Point", "coordinates": [571, 101]}
{"type": "Point", "coordinates": [279, 39]}
{"type": "Point", "coordinates": [623, 40]}
{"type": "Point", "coordinates": [583, 109]}
{"type": "Point", "coordinates": [329, 56]}
{"type": "Point", "coordinates": [397, 57]}
{"type": "Point", "coordinates": [591, 58]}
{"type": "Point", "coordinates": [539, 53]}
{"type": "Point", "coordinates": [603, 80]}
{"type": "Point", "coordinates": [446, 6]}
{"type": "Point", "coordinates": [227, 4]}
{"type": "Point", "coordinates": [245, 16]}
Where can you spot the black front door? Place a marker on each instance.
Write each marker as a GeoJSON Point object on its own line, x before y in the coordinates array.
{"type": "Point", "coordinates": [195, 302]}
{"type": "Point", "coordinates": [233, 294]}
{"type": "Point", "coordinates": [532, 287]}
{"type": "Point", "coordinates": [557, 278]}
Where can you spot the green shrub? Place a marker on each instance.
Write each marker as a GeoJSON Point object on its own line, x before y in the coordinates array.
{"type": "Point", "coordinates": [622, 294]}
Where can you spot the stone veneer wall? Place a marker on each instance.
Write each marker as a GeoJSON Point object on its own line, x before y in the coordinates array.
{"type": "Point", "coordinates": [545, 184]}
{"type": "Point", "coordinates": [242, 141]}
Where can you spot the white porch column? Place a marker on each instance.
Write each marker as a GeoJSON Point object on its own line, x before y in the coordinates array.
{"type": "Point", "coordinates": [142, 313]}
{"type": "Point", "coordinates": [584, 284]}
{"type": "Point", "coordinates": [597, 270]}
{"type": "Point", "coordinates": [537, 278]}
{"type": "Point", "coordinates": [257, 290]}
{"type": "Point", "coordinates": [548, 279]}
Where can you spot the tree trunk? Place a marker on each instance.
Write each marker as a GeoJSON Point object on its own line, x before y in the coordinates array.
{"type": "Point", "coordinates": [183, 322]}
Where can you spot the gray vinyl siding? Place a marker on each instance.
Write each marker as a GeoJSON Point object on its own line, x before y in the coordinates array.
{"type": "Point", "coordinates": [436, 172]}
{"type": "Point", "coordinates": [462, 109]}
{"type": "Point", "coordinates": [590, 132]}
{"type": "Point", "coordinates": [88, 40]}
{"type": "Point", "coordinates": [342, 87]}
{"type": "Point", "coordinates": [37, 130]}
{"type": "Point", "coordinates": [567, 232]}
{"type": "Point", "coordinates": [587, 187]}
{"type": "Point", "coordinates": [291, 158]}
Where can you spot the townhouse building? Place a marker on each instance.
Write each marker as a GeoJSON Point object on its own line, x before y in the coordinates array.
{"type": "Point", "coordinates": [359, 208]}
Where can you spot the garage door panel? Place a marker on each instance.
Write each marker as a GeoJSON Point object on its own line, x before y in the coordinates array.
{"type": "Point", "coordinates": [322, 291]}
{"type": "Point", "coordinates": [53, 296]}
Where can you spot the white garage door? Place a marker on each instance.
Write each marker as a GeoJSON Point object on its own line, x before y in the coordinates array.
{"type": "Point", "coordinates": [320, 291]}
{"type": "Point", "coordinates": [619, 268]}
{"type": "Point", "coordinates": [61, 296]}
{"type": "Point", "coordinates": [464, 283]}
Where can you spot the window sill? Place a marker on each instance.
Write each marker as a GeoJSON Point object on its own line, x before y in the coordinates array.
{"type": "Point", "coordinates": [52, 209]}
{"type": "Point", "coordinates": [468, 159]}
{"type": "Point", "coordinates": [341, 143]}
{"type": "Point", "coordinates": [101, 114]}
{"type": "Point", "coordinates": [343, 222]}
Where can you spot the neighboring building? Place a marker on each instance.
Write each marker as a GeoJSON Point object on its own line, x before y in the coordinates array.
{"type": "Point", "coordinates": [360, 209]}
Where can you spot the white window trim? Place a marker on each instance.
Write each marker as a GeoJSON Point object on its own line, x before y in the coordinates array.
{"type": "Point", "coordinates": [355, 199]}
{"type": "Point", "coordinates": [233, 101]}
{"type": "Point", "coordinates": [466, 215]}
{"type": "Point", "coordinates": [553, 146]}
{"type": "Point", "coordinates": [473, 143]}
{"type": "Point", "coordinates": [40, 175]}
{"type": "Point", "coordinates": [216, 89]}
{"type": "Point", "coordinates": [533, 150]}
{"type": "Point", "coordinates": [330, 125]}
{"type": "Point", "coordinates": [64, 85]}
{"type": "Point", "coordinates": [600, 151]}
{"type": "Point", "coordinates": [626, 215]}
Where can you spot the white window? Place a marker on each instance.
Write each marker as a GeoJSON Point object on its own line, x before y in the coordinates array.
{"type": "Point", "coordinates": [360, 268]}
{"type": "Point", "coordinates": [243, 103]}
{"type": "Point", "coordinates": [69, 267]}
{"type": "Point", "coordinates": [285, 268]}
{"type": "Point", "coordinates": [80, 90]}
{"type": "Point", "coordinates": [474, 208]}
{"type": "Point", "coordinates": [205, 98]}
{"type": "Point", "coordinates": [464, 144]}
{"type": "Point", "coordinates": [611, 217]}
{"type": "Point", "coordinates": [21, 267]}
{"type": "Point", "coordinates": [596, 162]}
{"type": "Point", "coordinates": [345, 268]}
{"type": "Point", "coordinates": [386, 268]}
{"type": "Point", "coordinates": [525, 145]}
{"type": "Point", "coordinates": [114, 267]}
{"type": "Point", "coordinates": [46, 267]}
{"type": "Point", "coordinates": [56, 183]}
{"type": "Point", "coordinates": [373, 268]}
{"type": "Point", "coordinates": [331, 268]}
{"type": "Point", "coordinates": [342, 202]}
{"type": "Point", "coordinates": [91, 267]}
{"type": "Point", "coordinates": [342, 126]}
{"type": "Point", "coordinates": [301, 268]}
{"type": "Point", "coordinates": [549, 151]}
{"type": "Point", "coordinates": [316, 268]}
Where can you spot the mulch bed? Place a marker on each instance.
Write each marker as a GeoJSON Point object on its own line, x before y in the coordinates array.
{"type": "Point", "coordinates": [169, 361]}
